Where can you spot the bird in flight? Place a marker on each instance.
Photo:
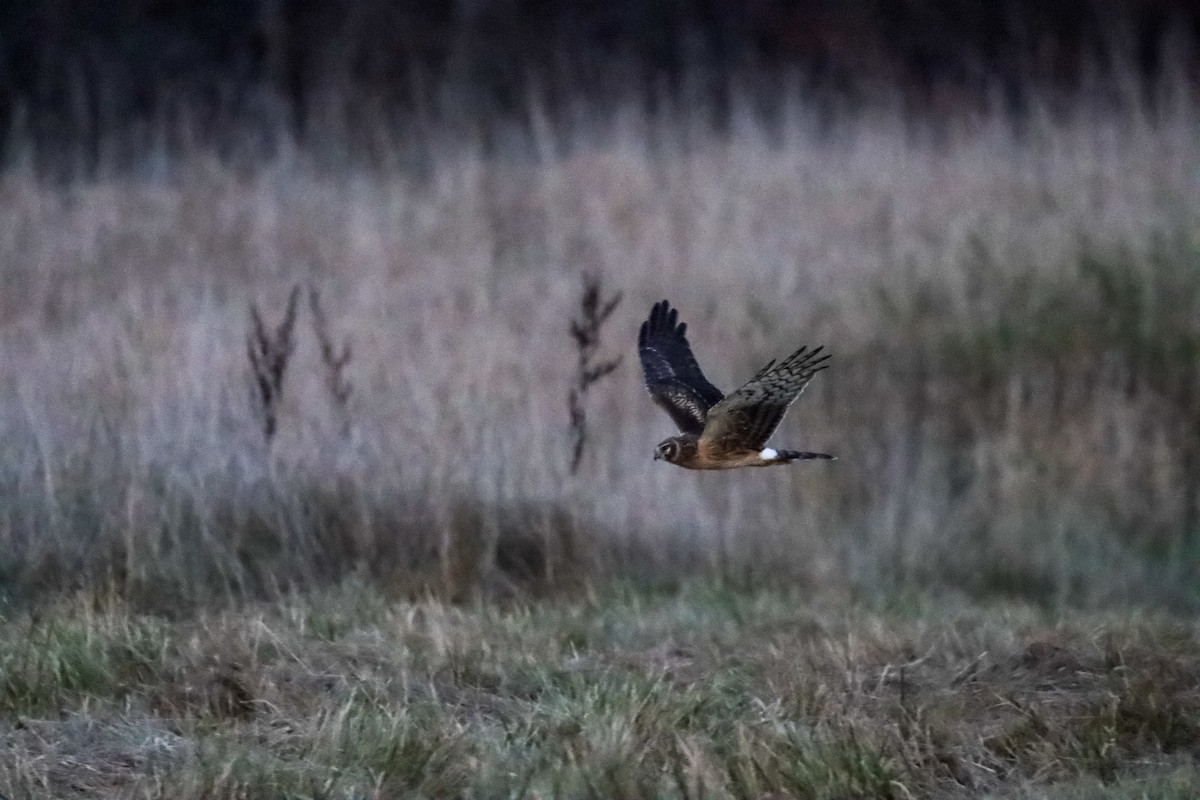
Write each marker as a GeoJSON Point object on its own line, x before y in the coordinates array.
{"type": "Point", "coordinates": [715, 431]}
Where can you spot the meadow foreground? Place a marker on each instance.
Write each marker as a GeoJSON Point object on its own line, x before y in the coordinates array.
{"type": "Point", "coordinates": [690, 692]}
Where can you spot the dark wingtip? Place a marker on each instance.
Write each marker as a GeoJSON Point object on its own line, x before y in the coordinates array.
{"type": "Point", "coordinates": [813, 361]}
{"type": "Point", "coordinates": [665, 319]}
{"type": "Point", "coordinates": [658, 312]}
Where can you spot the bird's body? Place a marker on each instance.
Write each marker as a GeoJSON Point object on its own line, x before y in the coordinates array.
{"type": "Point", "coordinates": [693, 452]}
{"type": "Point", "coordinates": [717, 431]}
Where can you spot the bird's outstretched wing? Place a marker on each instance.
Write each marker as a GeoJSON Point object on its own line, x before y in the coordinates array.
{"type": "Point", "coordinates": [748, 417]}
{"type": "Point", "coordinates": [673, 377]}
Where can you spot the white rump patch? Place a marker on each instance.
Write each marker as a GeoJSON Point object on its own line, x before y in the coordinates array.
{"type": "Point", "coordinates": [769, 454]}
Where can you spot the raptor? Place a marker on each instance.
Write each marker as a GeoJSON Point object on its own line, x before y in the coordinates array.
{"type": "Point", "coordinates": [718, 431]}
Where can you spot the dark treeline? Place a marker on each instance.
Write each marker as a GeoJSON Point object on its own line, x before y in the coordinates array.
{"type": "Point", "coordinates": [73, 69]}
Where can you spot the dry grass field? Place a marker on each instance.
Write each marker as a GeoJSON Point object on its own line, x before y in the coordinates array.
{"type": "Point", "coordinates": [700, 692]}
{"type": "Point", "coordinates": [406, 592]}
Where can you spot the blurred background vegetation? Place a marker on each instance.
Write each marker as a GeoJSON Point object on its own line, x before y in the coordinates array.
{"type": "Point", "coordinates": [989, 211]}
{"type": "Point", "coordinates": [75, 74]}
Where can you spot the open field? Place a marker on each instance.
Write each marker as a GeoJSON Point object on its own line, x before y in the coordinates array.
{"type": "Point", "coordinates": [1014, 315]}
{"type": "Point", "coordinates": [406, 592]}
{"type": "Point", "coordinates": [689, 693]}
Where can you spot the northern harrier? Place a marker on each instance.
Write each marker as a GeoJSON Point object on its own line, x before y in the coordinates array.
{"type": "Point", "coordinates": [718, 432]}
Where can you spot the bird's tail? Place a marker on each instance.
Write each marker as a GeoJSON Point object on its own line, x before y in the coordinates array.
{"type": "Point", "coordinates": [800, 455]}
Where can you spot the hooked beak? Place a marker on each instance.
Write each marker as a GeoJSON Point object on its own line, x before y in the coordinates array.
{"type": "Point", "coordinates": [657, 455]}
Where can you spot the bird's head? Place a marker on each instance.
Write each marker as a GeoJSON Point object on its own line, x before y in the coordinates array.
{"type": "Point", "coordinates": [668, 450]}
